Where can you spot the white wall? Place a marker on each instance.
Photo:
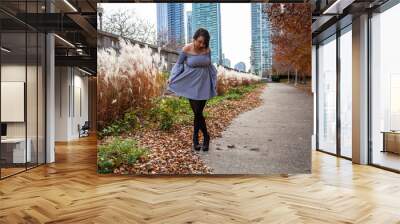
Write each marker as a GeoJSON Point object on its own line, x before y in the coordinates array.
{"type": "Point", "coordinates": [12, 73]}
{"type": "Point", "coordinates": [81, 84]}
{"type": "Point", "coordinates": [70, 83]}
{"type": "Point", "coordinates": [62, 81]}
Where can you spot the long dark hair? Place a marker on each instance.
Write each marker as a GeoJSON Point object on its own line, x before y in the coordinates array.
{"type": "Point", "coordinates": [202, 32]}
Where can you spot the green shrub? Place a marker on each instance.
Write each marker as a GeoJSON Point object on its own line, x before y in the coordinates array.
{"type": "Point", "coordinates": [118, 152]}
{"type": "Point", "coordinates": [241, 90]}
{"type": "Point", "coordinates": [167, 111]}
{"type": "Point", "coordinates": [233, 96]}
{"type": "Point", "coordinates": [233, 93]}
{"type": "Point", "coordinates": [124, 125]}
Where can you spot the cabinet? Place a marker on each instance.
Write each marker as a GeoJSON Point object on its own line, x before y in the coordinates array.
{"type": "Point", "coordinates": [391, 141]}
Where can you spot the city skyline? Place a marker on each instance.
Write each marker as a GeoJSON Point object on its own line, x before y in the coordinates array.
{"type": "Point", "coordinates": [237, 49]}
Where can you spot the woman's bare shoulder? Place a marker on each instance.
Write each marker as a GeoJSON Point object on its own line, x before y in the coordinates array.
{"type": "Point", "coordinates": [187, 48]}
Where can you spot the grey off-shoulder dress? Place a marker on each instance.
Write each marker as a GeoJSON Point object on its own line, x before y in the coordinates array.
{"type": "Point", "coordinates": [196, 79]}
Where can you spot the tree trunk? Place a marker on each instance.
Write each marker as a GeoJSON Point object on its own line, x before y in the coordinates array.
{"type": "Point", "coordinates": [288, 78]}
{"type": "Point", "coordinates": [295, 81]}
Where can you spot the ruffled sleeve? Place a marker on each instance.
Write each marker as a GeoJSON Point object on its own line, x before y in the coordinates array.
{"type": "Point", "coordinates": [213, 74]}
{"type": "Point", "coordinates": [178, 67]}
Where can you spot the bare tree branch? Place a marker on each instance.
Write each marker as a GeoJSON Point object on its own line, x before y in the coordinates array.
{"type": "Point", "coordinates": [126, 24]}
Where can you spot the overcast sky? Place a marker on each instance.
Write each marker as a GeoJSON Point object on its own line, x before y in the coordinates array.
{"type": "Point", "coordinates": [235, 26]}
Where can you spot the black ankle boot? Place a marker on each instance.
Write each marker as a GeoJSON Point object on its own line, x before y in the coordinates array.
{"type": "Point", "coordinates": [206, 142]}
{"type": "Point", "coordinates": [196, 145]}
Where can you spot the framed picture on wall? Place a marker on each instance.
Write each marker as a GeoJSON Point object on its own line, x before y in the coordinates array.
{"type": "Point", "coordinates": [12, 101]}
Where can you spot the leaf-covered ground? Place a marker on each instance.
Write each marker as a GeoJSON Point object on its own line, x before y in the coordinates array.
{"type": "Point", "coordinates": [171, 151]}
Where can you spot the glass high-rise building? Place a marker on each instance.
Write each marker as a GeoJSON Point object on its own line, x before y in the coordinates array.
{"type": "Point", "coordinates": [170, 23]}
{"type": "Point", "coordinates": [176, 29]}
{"type": "Point", "coordinates": [208, 16]}
{"type": "Point", "coordinates": [189, 28]}
{"type": "Point", "coordinates": [227, 62]}
{"type": "Point", "coordinates": [261, 47]}
{"type": "Point", "coordinates": [162, 23]}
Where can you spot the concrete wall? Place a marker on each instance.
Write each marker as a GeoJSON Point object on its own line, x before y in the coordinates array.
{"type": "Point", "coordinates": [108, 40]}
{"type": "Point", "coordinates": [360, 90]}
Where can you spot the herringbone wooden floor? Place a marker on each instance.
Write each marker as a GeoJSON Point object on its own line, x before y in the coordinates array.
{"type": "Point", "coordinates": [70, 191]}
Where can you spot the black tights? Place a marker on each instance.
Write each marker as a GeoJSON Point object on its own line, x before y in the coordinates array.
{"type": "Point", "coordinates": [199, 121]}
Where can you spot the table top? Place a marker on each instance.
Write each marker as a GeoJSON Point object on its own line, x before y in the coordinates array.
{"type": "Point", "coordinates": [13, 140]}
{"type": "Point", "coordinates": [391, 132]}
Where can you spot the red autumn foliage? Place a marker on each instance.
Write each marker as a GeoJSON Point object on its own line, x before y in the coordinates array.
{"type": "Point", "coordinates": [291, 37]}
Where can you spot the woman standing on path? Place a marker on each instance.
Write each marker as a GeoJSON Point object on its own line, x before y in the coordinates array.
{"type": "Point", "coordinates": [195, 80]}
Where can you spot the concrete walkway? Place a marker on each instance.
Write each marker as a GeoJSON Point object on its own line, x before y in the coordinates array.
{"type": "Point", "coordinates": [274, 138]}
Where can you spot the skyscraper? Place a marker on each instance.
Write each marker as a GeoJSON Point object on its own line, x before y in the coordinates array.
{"type": "Point", "coordinates": [189, 30]}
{"type": "Point", "coordinates": [240, 66]}
{"type": "Point", "coordinates": [162, 23]}
{"type": "Point", "coordinates": [208, 16]}
{"type": "Point", "coordinates": [176, 29]}
{"type": "Point", "coordinates": [226, 61]}
{"type": "Point", "coordinates": [261, 48]}
{"type": "Point", "coordinates": [170, 23]}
